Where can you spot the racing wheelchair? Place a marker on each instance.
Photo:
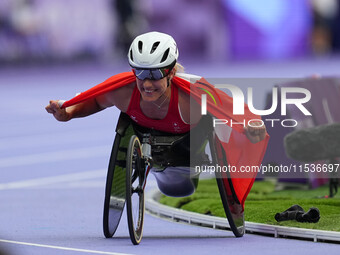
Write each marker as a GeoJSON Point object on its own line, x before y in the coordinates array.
{"type": "Point", "coordinates": [136, 151]}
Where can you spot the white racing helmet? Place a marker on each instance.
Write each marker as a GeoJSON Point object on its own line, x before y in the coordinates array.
{"type": "Point", "coordinates": [153, 50]}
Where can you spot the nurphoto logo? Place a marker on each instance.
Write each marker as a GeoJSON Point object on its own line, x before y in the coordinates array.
{"type": "Point", "coordinates": [239, 102]}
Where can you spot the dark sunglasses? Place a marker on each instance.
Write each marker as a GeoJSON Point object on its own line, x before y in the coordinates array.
{"type": "Point", "coordinates": [152, 73]}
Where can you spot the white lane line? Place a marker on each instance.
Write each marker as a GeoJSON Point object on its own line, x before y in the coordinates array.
{"type": "Point", "coordinates": [62, 138]}
{"type": "Point", "coordinates": [74, 185]}
{"type": "Point", "coordinates": [63, 248]}
{"type": "Point", "coordinates": [54, 179]}
{"type": "Point", "coordinates": [47, 157]}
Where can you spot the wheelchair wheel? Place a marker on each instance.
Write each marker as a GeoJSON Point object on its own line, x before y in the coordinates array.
{"type": "Point", "coordinates": [232, 207]}
{"type": "Point", "coordinates": [115, 189]}
{"type": "Point", "coordinates": [134, 190]}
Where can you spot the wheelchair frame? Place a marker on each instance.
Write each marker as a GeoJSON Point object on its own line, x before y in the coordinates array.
{"type": "Point", "coordinates": [117, 182]}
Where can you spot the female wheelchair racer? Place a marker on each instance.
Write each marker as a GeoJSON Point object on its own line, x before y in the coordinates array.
{"type": "Point", "coordinates": [160, 116]}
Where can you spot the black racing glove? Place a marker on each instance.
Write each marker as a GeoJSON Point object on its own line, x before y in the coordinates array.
{"type": "Point", "coordinates": [312, 216]}
{"type": "Point", "coordinates": [292, 213]}
{"type": "Point", "coordinates": [297, 213]}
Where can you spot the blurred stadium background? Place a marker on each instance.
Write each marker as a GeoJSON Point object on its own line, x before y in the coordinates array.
{"type": "Point", "coordinates": [216, 38]}
{"type": "Point", "coordinates": [219, 30]}
{"type": "Point", "coordinates": [45, 43]}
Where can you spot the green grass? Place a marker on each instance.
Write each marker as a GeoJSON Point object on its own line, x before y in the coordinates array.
{"type": "Point", "coordinates": [263, 203]}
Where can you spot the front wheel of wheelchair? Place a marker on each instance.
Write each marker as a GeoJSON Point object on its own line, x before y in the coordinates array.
{"type": "Point", "coordinates": [134, 190]}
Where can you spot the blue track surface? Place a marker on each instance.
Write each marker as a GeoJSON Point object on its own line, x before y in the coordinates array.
{"type": "Point", "coordinates": [52, 175]}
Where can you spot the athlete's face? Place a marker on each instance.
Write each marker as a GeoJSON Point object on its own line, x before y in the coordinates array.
{"type": "Point", "coordinates": [151, 90]}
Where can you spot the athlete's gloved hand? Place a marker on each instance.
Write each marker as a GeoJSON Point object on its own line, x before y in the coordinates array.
{"type": "Point", "coordinates": [255, 132]}
{"type": "Point", "coordinates": [55, 108]}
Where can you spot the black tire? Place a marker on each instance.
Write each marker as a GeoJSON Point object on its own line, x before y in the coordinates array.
{"type": "Point", "coordinates": [134, 190]}
{"type": "Point", "coordinates": [232, 207]}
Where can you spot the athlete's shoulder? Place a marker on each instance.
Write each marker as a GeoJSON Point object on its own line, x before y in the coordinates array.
{"type": "Point", "coordinates": [192, 78]}
{"type": "Point", "coordinates": [190, 109]}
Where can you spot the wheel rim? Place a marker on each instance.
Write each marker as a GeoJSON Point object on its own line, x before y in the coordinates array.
{"type": "Point", "coordinates": [135, 194]}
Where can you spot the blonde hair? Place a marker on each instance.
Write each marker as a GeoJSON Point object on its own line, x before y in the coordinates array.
{"type": "Point", "coordinates": [179, 68]}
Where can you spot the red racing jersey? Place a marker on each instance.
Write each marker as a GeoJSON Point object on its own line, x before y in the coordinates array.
{"type": "Point", "coordinates": [171, 123]}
